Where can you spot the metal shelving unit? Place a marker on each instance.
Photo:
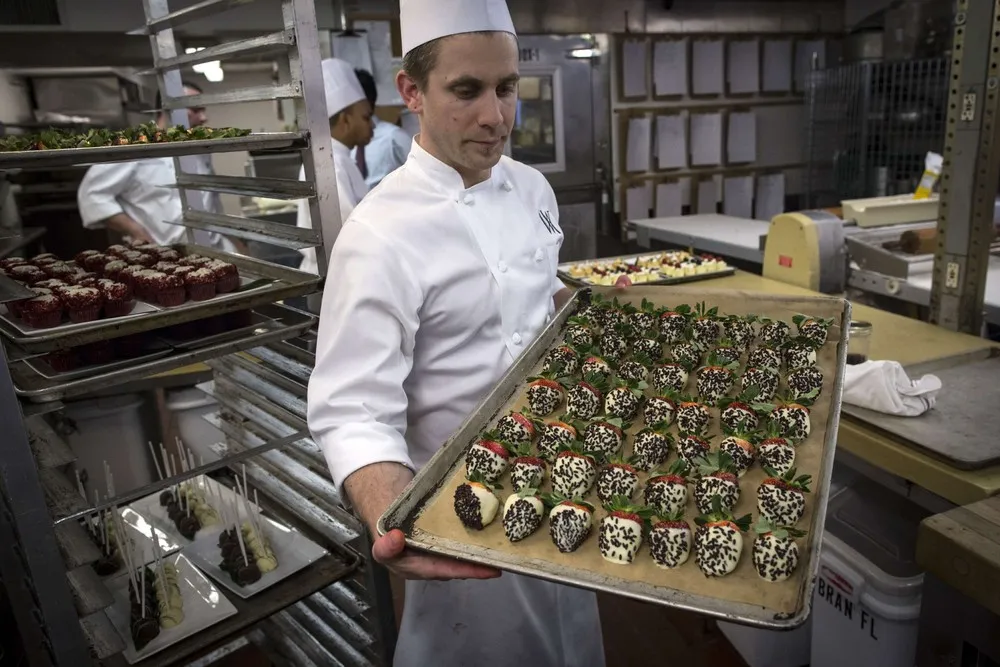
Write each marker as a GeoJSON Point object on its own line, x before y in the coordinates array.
{"type": "Point", "coordinates": [336, 612]}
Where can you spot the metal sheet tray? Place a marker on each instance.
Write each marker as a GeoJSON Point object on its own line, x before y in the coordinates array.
{"type": "Point", "coordinates": [286, 283]}
{"type": "Point", "coordinates": [564, 275]}
{"type": "Point", "coordinates": [279, 323]}
{"type": "Point", "coordinates": [422, 510]}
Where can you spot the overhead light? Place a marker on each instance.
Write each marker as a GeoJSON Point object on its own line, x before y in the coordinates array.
{"type": "Point", "coordinates": [584, 54]}
{"type": "Point", "coordinates": [212, 70]}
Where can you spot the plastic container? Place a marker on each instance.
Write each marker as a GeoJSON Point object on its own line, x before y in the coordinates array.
{"type": "Point", "coordinates": [189, 406]}
{"type": "Point", "coordinates": [773, 648]}
{"type": "Point", "coordinates": [110, 430]}
{"type": "Point", "coordinates": [866, 603]}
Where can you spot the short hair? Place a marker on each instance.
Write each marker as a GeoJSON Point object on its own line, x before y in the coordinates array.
{"type": "Point", "coordinates": [184, 84]}
{"type": "Point", "coordinates": [420, 61]}
{"type": "Point", "coordinates": [367, 82]}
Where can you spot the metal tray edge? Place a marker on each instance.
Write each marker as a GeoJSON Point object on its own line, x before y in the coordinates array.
{"type": "Point", "coordinates": [399, 514]}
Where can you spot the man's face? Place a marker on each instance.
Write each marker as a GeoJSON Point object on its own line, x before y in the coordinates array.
{"type": "Point", "coordinates": [196, 115]}
{"type": "Point", "coordinates": [468, 107]}
{"type": "Point", "coordinates": [358, 117]}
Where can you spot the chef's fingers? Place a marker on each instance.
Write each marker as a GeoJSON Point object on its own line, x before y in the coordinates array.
{"type": "Point", "coordinates": [390, 550]}
{"type": "Point", "coordinates": [389, 546]}
{"type": "Point", "coordinates": [623, 281]}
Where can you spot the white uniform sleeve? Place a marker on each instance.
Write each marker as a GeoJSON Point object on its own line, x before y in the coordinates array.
{"type": "Point", "coordinates": [97, 196]}
{"type": "Point", "coordinates": [364, 353]}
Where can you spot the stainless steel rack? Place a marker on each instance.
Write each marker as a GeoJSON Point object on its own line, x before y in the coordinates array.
{"type": "Point", "coordinates": [337, 611]}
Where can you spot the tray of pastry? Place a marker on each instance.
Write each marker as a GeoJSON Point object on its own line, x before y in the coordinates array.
{"type": "Point", "coordinates": [671, 267]}
{"type": "Point", "coordinates": [669, 444]}
{"type": "Point", "coordinates": [123, 290]}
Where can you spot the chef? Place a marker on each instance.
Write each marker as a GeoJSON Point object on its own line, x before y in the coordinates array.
{"type": "Point", "coordinates": [350, 126]}
{"type": "Point", "coordinates": [132, 198]}
{"type": "Point", "coordinates": [389, 146]}
{"type": "Point", "coordinates": [445, 274]}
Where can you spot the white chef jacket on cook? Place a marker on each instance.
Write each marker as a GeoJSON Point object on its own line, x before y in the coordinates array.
{"type": "Point", "coordinates": [439, 288]}
{"type": "Point", "coordinates": [137, 188]}
{"type": "Point", "coordinates": [351, 188]}
{"type": "Point", "coordinates": [386, 152]}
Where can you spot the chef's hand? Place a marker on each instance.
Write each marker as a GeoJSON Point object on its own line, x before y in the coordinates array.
{"type": "Point", "coordinates": [623, 281]}
{"type": "Point", "coordinates": [390, 550]}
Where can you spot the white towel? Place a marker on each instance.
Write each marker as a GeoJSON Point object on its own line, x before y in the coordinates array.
{"type": "Point", "coordinates": [885, 387]}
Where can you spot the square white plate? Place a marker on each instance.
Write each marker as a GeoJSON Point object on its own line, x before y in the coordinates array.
{"type": "Point", "coordinates": [204, 606]}
{"type": "Point", "coordinates": [150, 508]}
{"type": "Point", "coordinates": [293, 550]}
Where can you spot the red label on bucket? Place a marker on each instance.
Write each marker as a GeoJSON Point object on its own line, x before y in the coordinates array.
{"type": "Point", "coordinates": [785, 261]}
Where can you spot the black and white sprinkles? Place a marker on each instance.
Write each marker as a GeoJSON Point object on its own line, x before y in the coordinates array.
{"type": "Point", "coordinates": [707, 487]}
{"type": "Point", "coordinates": [573, 476]}
{"type": "Point", "coordinates": [603, 438]}
{"type": "Point", "coordinates": [649, 449]}
{"type": "Point", "coordinates": [521, 516]}
{"type": "Point", "coordinates": [774, 333]}
{"type": "Point", "coordinates": [740, 451]}
{"type": "Point", "coordinates": [659, 410]}
{"type": "Point", "coordinates": [554, 437]}
{"type": "Point", "coordinates": [670, 544]}
{"type": "Point", "coordinates": [799, 356]}
{"type": "Point", "coordinates": [764, 379]}
{"type": "Point", "coordinates": [563, 359]}
{"type": "Point", "coordinates": [583, 401]}
{"type": "Point", "coordinates": [686, 355]}
{"type": "Point", "coordinates": [596, 366]}
{"type": "Point", "coordinates": [648, 347]}
{"type": "Point", "coordinates": [741, 332]}
{"type": "Point", "coordinates": [780, 505]}
{"type": "Point", "coordinates": [693, 418]}
{"type": "Point", "coordinates": [483, 461]}
{"type": "Point", "coordinates": [775, 559]}
{"type": "Point", "coordinates": [665, 496]}
{"type": "Point", "coordinates": [515, 428]}
{"type": "Point", "coordinates": [713, 383]}
{"type": "Point", "coordinates": [706, 330]}
{"type": "Point", "coordinates": [642, 321]}
{"type": "Point", "coordinates": [803, 381]}
{"type": "Point", "coordinates": [613, 345]}
{"type": "Point", "coordinates": [670, 377]}
{"type": "Point", "coordinates": [619, 539]}
{"type": "Point", "coordinates": [717, 549]}
{"type": "Point", "coordinates": [475, 505]}
{"type": "Point", "coordinates": [673, 327]}
{"type": "Point", "coordinates": [526, 473]}
{"type": "Point", "coordinates": [690, 447]}
{"type": "Point", "coordinates": [764, 357]}
{"type": "Point", "coordinates": [569, 526]}
{"type": "Point", "coordinates": [776, 454]}
{"type": "Point", "coordinates": [543, 398]}
{"type": "Point", "coordinates": [632, 371]}
{"type": "Point", "coordinates": [621, 402]}
{"type": "Point", "coordinates": [793, 421]}
{"type": "Point", "coordinates": [739, 417]}
{"type": "Point", "coordinates": [615, 480]}
{"type": "Point", "coordinates": [579, 335]}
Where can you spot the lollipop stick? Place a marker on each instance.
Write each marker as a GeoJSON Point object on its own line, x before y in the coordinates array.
{"type": "Point", "coordinates": [156, 461]}
{"type": "Point", "coordinates": [142, 585]}
{"type": "Point", "coordinates": [239, 535]}
{"type": "Point", "coordinates": [79, 483]}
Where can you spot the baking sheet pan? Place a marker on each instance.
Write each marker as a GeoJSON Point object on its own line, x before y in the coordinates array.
{"type": "Point", "coordinates": [563, 271]}
{"type": "Point", "coordinates": [424, 511]}
{"type": "Point", "coordinates": [255, 290]}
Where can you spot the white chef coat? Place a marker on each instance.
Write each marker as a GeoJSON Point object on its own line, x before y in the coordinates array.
{"type": "Point", "coordinates": [385, 153]}
{"type": "Point", "coordinates": [439, 288]}
{"type": "Point", "coordinates": [351, 188]}
{"type": "Point", "coordinates": [138, 189]}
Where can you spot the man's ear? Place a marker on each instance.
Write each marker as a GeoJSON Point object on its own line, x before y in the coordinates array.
{"type": "Point", "coordinates": [409, 93]}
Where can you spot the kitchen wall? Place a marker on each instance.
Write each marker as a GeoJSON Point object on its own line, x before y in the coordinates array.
{"type": "Point", "coordinates": [14, 103]}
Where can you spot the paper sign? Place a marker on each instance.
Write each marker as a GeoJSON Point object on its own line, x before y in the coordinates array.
{"type": "Point", "coordinates": [737, 197]}
{"type": "Point", "coordinates": [671, 142]}
{"type": "Point", "coordinates": [669, 200]}
{"type": "Point", "coordinates": [635, 54]}
{"type": "Point", "coordinates": [638, 201]}
{"type": "Point", "coordinates": [777, 66]}
{"type": "Point", "coordinates": [706, 139]}
{"type": "Point", "coordinates": [770, 197]}
{"type": "Point", "coordinates": [639, 146]}
{"type": "Point", "coordinates": [744, 67]}
{"type": "Point", "coordinates": [354, 49]}
{"type": "Point", "coordinates": [670, 68]}
{"type": "Point", "coordinates": [708, 67]}
{"type": "Point", "coordinates": [741, 137]}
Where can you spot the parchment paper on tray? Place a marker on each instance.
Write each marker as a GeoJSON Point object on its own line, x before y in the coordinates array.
{"type": "Point", "coordinates": [426, 514]}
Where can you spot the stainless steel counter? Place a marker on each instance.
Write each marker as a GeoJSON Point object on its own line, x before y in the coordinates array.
{"type": "Point", "coordinates": [738, 238]}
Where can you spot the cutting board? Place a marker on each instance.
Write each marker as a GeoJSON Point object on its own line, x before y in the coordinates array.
{"type": "Point", "coordinates": [963, 429]}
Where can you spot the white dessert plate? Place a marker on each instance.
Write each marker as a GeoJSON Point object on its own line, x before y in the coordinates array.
{"type": "Point", "coordinates": [150, 509]}
{"type": "Point", "coordinates": [204, 606]}
{"type": "Point", "coordinates": [292, 549]}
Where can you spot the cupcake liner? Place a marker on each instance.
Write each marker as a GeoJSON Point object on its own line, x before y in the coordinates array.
{"type": "Point", "coordinates": [88, 314]}
{"type": "Point", "coordinates": [42, 320]}
{"type": "Point", "coordinates": [227, 284]}
{"type": "Point", "coordinates": [201, 292]}
{"type": "Point", "coordinates": [119, 307]}
{"type": "Point", "coordinates": [170, 297]}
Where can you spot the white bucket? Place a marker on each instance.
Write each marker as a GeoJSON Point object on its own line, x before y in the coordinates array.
{"type": "Point", "coordinates": [189, 406]}
{"type": "Point", "coordinates": [110, 430]}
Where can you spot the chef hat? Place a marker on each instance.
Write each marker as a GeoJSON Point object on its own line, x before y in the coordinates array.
{"type": "Point", "coordinates": [341, 84]}
{"type": "Point", "coordinates": [423, 21]}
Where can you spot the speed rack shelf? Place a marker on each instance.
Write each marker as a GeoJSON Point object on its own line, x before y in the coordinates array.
{"type": "Point", "coordinates": [337, 610]}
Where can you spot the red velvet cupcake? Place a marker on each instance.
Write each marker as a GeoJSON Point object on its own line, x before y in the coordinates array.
{"type": "Point", "coordinates": [145, 283]}
{"type": "Point", "coordinates": [44, 258]}
{"type": "Point", "coordinates": [114, 268]}
{"type": "Point", "coordinates": [27, 274]}
{"type": "Point", "coordinates": [51, 283]}
{"type": "Point", "coordinates": [116, 250]}
{"type": "Point", "coordinates": [171, 291]}
{"type": "Point", "coordinates": [101, 352]}
{"type": "Point", "coordinates": [83, 304]}
{"type": "Point", "coordinates": [118, 298]}
{"type": "Point", "coordinates": [169, 255]}
{"type": "Point", "coordinates": [200, 284]}
{"type": "Point", "coordinates": [194, 260]}
{"type": "Point", "coordinates": [10, 262]}
{"type": "Point", "coordinates": [140, 258]}
{"type": "Point", "coordinates": [130, 276]}
{"type": "Point", "coordinates": [62, 270]}
{"type": "Point", "coordinates": [165, 267]}
{"type": "Point", "coordinates": [95, 262]}
{"type": "Point", "coordinates": [62, 361]}
{"type": "Point", "coordinates": [81, 257]}
{"type": "Point", "coordinates": [227, 277]}
{"type": "Point", "coordinates": [182, 270]}
{"type": "Point", "coordinates": [42, 312]}
{"type": "Point", "coordinates": [86, 279]}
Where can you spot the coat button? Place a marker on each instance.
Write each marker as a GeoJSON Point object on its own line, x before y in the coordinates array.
{"type": "Point", "coordinates": [539, 255]}
{"type": "Point", "coordinates": [507, 186]}
{"type": "Point", "coordinates": [468, 200]}
{"type": "Point", "coordinates": [502, 266]}
{"type": "Point", "coordinates": [516, 338]}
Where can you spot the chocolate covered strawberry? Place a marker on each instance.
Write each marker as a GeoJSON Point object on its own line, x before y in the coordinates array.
{"type": "Point", "coordinates": [643, 319]}
{"type": "Point", "coordinates": [763, 380]}
{"type": "Point", "coordinates": [792, 418]}
{"type": "Point", "coordinates": [718, 479]}
{"type": "Point", "coordinates": [674, 324]}
{"type": "Point", "coordinates": [570, 523]}
{"type": "Point", "coordinates": [614, 315]}
{"type": "Point", "coordinates": [660, 408]}
{"type": "Point", "coordinates": [620, 534]}
{"type": "Point", "coordinates": [666, 493]}
{"type": "Point", "coordinates": [740, 330]}
{"type": "Point", "coordinates": [775, 553]}
{"type": "Point", "coordinates": [488, 458]}
{"type": "Point", "coordinates": [596, 310]}
{"type": "Point", "coordinates": [617, 478]}
{"type": "Point", "coordinates": [475, 503]}
{"type": "Point", "coordinates": [765, 358]}
{"type": "Point", "coordinates": [740, 447]}
{"type": "Point", "coordinates": [740, 413]}
{"type": "Point", "coordinates": [773, 333]}
{"type": "Point", "coordinates": [705, 327]}
{"type": "Point", "coordinates": [614, 344]}
{"type": "Point", "coordinates": [632, 370]}
{"type": "Point", "coordinates": [562, 360]}
{"type": "Point", "coordinates": [687, 355]}
{"type": "Point", "coordinates": [574, 472]}
{"type": "Point", "coordinates": [814, 329]}
{"type": "Point", "coordinates": [715, 380]}
{"type": "Point", "coordinates": [782, 500]}
{"type": "Point", "coordinates": [693, 417]}
{"type": "Point", "coordinates": [522, 514]}
{"type": "Point", "coordinates": [628, 327]}
{"type": "Point", "coordinates": [651, 447]}
{"type": "Point", "coordinates": [624, 400]}
{"type": "Point", "coordinates": [691, 447]}
{"type": "Point", "coordinates": [526, 471]}
{"type": "Point", "coordinates": [555, 434]}
{"type": "Point", "coordinates": [586, 397]}
{"type": "Point", "coordinates": [718, 541]}
{"type": "Point", "coordinates": [672, 377]}
{"type": "Point", "coordinates": [726, 353]}
{"type": "Point", "coordinates": [807, 381]}
{"type": "Point", "coordinates": [596, 367]}
{"type": "Point", "coordinates": [799, 353]}
{"type": "Point", "coordinates": [670, 541]}
{"type": "Point", "coordinates": [580, 332]}
{"type": "Point", "coordinates": [648, 347]}
{"type": "Point", "coordinates": [775, 452]}
{"type": "Point", "coordinates": [516, 427]}
{"type": "Point", "coordinates": [545, 393]}
{"type": "Point", "coordinates": [605, 437]}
